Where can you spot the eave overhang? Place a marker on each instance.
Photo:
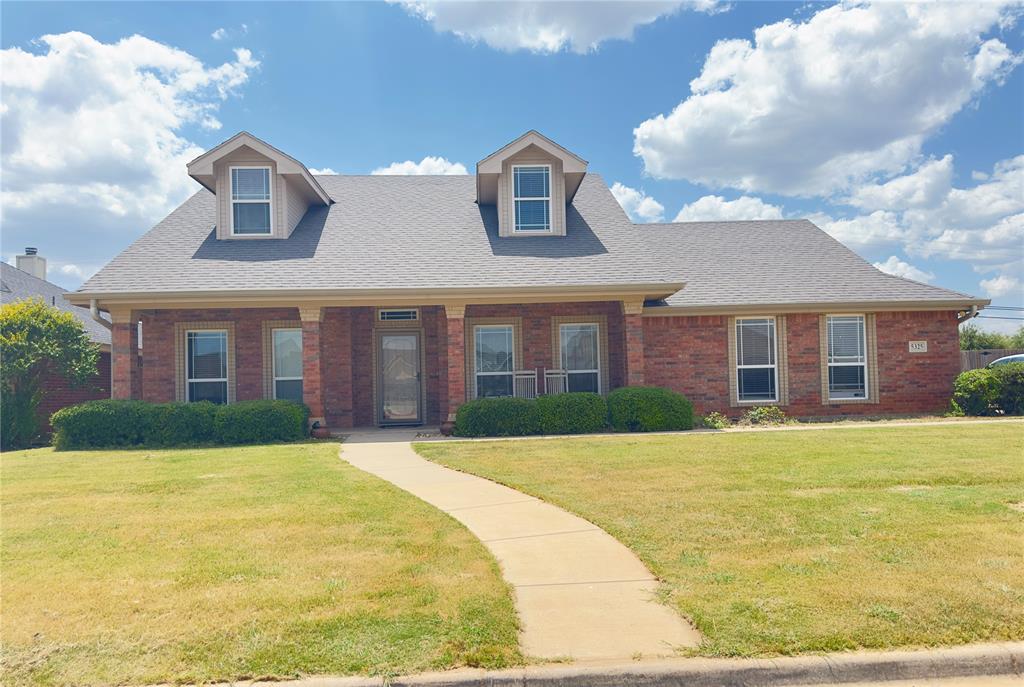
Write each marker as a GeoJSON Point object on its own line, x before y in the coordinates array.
{"type": "Point", "coordinates": [961, 304]}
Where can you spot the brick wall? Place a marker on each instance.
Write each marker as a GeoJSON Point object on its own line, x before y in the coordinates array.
{"type": "Point", "coordinates": [58, 392]}
{"type": "Point", "coordinates": [690, 355]}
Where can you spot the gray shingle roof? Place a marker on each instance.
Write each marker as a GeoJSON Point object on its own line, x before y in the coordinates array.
{"type": "Point", "coordinates": [427, 232]}
{"type": "Point", "coordinates": [16, 285]}
{"type": "Point", "coordinates": [389, 232]}
{"type": "Point", "coordinates": [774, 262]}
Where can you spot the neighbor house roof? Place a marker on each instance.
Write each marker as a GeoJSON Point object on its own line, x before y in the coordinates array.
{"type": "Point", "coordinates": [390, 232]}
{"type": "Point", "coordinates": [16, 285]}
{"type": "Point", "coordinates": [730, 266]}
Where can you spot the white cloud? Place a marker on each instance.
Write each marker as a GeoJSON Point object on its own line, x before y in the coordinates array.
{"type": "Point", "coordinates": [219, 34]}
{"type": "Point", "coordinates": [73, 270]}
{"type": "Point", "coordinates": [94, 137]}
{"type": "Point", "coordinates": [1003, 285]}
{"type": "Point", "coordinates": [717, 208]}
{"type": "Point", "coordinates": [638, 205]}
{"type": "Point", "coordinates": [324, 170]}
{"type": "Point", "coordinates": [547, 27]}
{"type": "Point", "coordinates": [814, 107]}
{"type": "Point", "coordinates": [904, 269]}
{"type": "Point", "coordinates": [928, 185]}
{"type": "Point", "coordinates": [428, 165]}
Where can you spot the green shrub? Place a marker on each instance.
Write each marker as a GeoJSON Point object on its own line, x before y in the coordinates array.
{"type": "Point", "coordinates": [110, 424]}
{"type": "Point", "coordinates": [1010, 388]}
{"type": "Point", "coordinates": [716, 420]}
{"type": "Point", "coordinates": [105, 423]}
{"type": "Point", "coordinates": [259, 422]}
{"type": "Point", "coordinates": [572, 413]}
{"type": "Point", "coordinates": [976, 392]}
{"type": "Point", "coordinates": [648, 409]}
{"type": "Point", "coordinates": [764, 415]}
{"type": "Point", "coordinates": [497, 417]}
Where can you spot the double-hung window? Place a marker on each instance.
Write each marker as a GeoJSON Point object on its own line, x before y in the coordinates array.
{"type": "Point", "coordinates": [757, 373]}
{"type": "Point", "coordinates": [532, 197]}
{"type": "Point", "coordinates": [206, 359]}
{"type": "Point", "coordinates": [581, 356]}
{"type": "Point", "coordinates": [250, 201]}
{"type": "Point", "coordinates": [847, 357]}
{"type": "Point", "coordinates": [287, 360]}
{"type": "Point", "coordinates": [495, 360]}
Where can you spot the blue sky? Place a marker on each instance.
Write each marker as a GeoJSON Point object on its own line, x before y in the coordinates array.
{"type": "Point", "coordinates": [897, 128]}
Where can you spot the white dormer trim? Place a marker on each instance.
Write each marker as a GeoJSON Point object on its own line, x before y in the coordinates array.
{"type": "Point", "coordinates": [571, 162]}
{"type": "Point", "coordinates": [201, 168]}
{"type": "Point", "coordinates": [491, 171]}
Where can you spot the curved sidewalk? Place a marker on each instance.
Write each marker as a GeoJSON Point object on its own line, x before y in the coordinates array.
{"type": "Point", "coordinates": [579, 592]}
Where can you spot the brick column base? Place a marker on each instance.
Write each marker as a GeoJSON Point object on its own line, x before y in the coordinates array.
{"type": "Point", "coordinates": [633, 326]}
{"type": "Point", "coordinates": [124, 358]}
{"type": "Point", "coordinates": [312, 374]}
{"type": "Point", "coordinates": [456, 337]}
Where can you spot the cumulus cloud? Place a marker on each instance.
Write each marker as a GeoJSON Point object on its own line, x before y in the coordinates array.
{"type": "Point", "coordinates": [1003, 285]}
{"type": "Point", "coordinates": [428, 165]}
{"type": "Point", "coordinates": [324, 170]}
{"type": "Point", "coordinates": [547, 27]}
{"type": "Point", "coordinates": [901, 268]}
{"type": "Point", "coordinates": [814, 107]}
{"type": "Point", "coordinates": [717, 208]}
{"type": "Point", "coordinates": [928, 185]}
{"type": "Point", "coordinates": [219, 34]}
{"type": "Point", "coordinates": [638, 205]}
{"type": "Point", "coordinates": [95, 137]}
{"type": "Point", "coordinates": [73, 270]}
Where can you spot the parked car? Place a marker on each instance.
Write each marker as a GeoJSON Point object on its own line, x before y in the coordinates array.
{"type": "Point", "coordinates": [1007, 359]}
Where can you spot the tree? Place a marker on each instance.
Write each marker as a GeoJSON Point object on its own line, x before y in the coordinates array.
{"type": "Point", "coordinates": [1017, 338]}
{"type": "Point", "coordinates": [973, 338]}
{"type": "Point", "coordinates": [35, 340]}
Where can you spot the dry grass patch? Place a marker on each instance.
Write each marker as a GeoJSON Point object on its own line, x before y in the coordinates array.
{"type": "Point", "coordinates": [788, 542]}
{"type": "Point", "coordinates": [213, 564]}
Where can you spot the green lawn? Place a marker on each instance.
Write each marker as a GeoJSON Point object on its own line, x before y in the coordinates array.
{"type": "Point", "coordinates": [787, 542]}
{"type": "Point", "coordinates": [209, 564]}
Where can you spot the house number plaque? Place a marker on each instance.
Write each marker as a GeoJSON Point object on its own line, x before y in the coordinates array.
{"type": "Point", "coordinates": [917, 346]}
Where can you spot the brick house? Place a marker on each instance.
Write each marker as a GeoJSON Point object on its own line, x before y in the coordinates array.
{"type": "Point", "coordinates": [384, 300]}
{"type": "Point", "coordinates": [28, 280]}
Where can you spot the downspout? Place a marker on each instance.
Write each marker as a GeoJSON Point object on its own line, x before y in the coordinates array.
{"type": "Point", "coordinates": [969, 314]}
{"type": "Point", "coordinates": [94, 310]}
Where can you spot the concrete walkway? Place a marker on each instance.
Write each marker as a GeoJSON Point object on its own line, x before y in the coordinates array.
{"type": "Point", "coordinates": [579, 592]}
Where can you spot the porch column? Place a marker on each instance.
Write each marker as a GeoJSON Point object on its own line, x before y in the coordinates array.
{"type": "Point", "coordinates": [124, 354]}
{"type": "Point", "coordinates": [456, 326]}
{"type": "Point", "coordinates": [633, 327]}
{"type": "Point", "coordinates": [312, 373]}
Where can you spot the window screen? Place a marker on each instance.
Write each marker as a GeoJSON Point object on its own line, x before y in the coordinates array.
{"type": "Point", "coordinates": [581, 356]}
{"type": "Point", "coordinates": [206, 359]}
{"type": "Point", "coordinates": [495, 360]}
{"type": "Point", "coordinates": [756, 369]}
{"type": "Point", "coordinates": [532, 195]}
{"type": "Point", "coordinates": [288, 364]}
{"type": "Point", "coordinates": [847, 357]}
{"type": "Point", "coordinates": [250, 200]}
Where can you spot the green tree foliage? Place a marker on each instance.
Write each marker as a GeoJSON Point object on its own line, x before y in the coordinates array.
{"type": "Point", "coordinates": [973, 338]}
{"type": "Point", "coordinates": [35, 340]}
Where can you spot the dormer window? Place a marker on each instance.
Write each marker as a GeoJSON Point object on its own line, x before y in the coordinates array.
{"type": "Point", "coordinates": [532, 197]}
{"type": "Point", "coordinates": [250, 201]}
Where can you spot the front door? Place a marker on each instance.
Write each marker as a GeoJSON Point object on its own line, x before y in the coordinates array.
{"type": "Point", "coordinates": [398, 375]}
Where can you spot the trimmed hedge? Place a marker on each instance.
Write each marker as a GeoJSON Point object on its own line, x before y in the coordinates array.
{"type": "Point", "coordinates": [572, 413]}
{"type": "Point", "coordinates": [991, 391]}
{"type": "Point", "coordinates": [110, 424]}
{"type": "Point", "coordinates": [497, 417]}
{"type": "Point", "coordinates": [648, 409]}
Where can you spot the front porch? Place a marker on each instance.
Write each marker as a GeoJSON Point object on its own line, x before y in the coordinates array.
{"type": "Point", "coordinates": [388, 365]}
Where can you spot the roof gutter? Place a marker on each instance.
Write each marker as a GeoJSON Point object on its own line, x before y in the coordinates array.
{"type": "Point", "coordinates": [973, 305]}
{"type": "Point", "coordinates": [271, 297]}
{"type": "Point", "coordinates": [969, 314]}
{"type": "Point", "coordinates": [94, 310]}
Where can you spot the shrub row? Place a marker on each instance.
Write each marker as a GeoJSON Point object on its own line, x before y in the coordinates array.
{"type": "Point", "coordinates": [108, 423]}
{"type": "Point", "coordinates": [629, 409]}
{"type": "Point", "coordinates": [990, 391]}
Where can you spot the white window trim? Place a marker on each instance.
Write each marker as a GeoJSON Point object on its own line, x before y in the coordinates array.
{"type": "Point", "coordinates": [597, 351]}
{"type": "Point", "coordinates": [231, 197]}
{"type": "Point", "coordinates": [190, 380]}
{"type": "Point", "coordinates": [477, 374]}
{"type": "Point", "coordinates": [774, 365]}
{"type": "Point", "coordinates": [274, 379]}
{"type": "Point", "coordinates": [515, 198]}
{"type": "Point", "coordinates": [415, 314]}
{"type": "Point", "coordinates": [863, 363]}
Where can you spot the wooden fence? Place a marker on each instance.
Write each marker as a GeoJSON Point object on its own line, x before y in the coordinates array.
{"type": "Point", "coordinates": [972, 360]}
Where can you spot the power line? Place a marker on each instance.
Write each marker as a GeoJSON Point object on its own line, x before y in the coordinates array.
{"type": "Point", "coordinates": [996, 317]}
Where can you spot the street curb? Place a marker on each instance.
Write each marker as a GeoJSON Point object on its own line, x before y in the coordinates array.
{"type": "Point", "coordinates": [975, 660]}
